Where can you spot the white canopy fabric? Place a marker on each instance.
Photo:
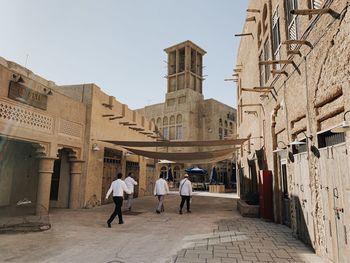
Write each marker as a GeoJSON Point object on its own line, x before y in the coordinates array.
{"type": "Point", "coordinates": [188, 157]}
{"type": "Point", "coordinates": [178, 143]}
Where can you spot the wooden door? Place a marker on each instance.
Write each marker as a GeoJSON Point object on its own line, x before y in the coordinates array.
{"type": "Point", "coordinates": [111, 167]}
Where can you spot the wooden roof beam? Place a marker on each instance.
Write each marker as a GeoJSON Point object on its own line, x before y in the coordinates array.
{"type": "Point", "coordinates": [297, 42]}
{"type": "Point", "coordinates": [116, 117]}
{"type": "Point", "coordinates": [250, 19]}
{"type": "Point", "coordinates": [256, 90]}
{"type": "Point", "coordinates": [244, 35]}
{"type": "Point", "coordinates": [271, 62]}
{"type": "Point", "coordinates": [253, 10]}
{"type": "Point", "coordinates": [294, 52]}
{"type": "Point", "coordinates": [310, 12]}
{"type": "Point", "coordinates": [279, 72]}
{"type": "Point", "coordinates": [267, 87]}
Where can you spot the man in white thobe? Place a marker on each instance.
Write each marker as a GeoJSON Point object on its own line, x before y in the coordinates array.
{"type": "Point", "coordinates": [185, 191]}
{"type": "Point", "coordinates": [160, 190]}
{"type": "Point", "coordinates": [130, 183]}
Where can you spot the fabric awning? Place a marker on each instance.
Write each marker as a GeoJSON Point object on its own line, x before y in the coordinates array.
{"type": "Point", "coordinates": [187, 157]}
{"type": "Point", "coordinates": [178, 143]}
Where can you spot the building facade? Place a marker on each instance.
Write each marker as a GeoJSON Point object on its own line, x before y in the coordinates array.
{"type": "Point", "coordinates": [293, 85]}
{"type": "Point", "coordinates": [52, 152]}
{"type": "Point", "coordinates": [185, 114]}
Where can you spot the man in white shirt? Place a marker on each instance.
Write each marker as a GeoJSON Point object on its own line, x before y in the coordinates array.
{"type": "Point", "coordinates": [130, 183]}
{"type": "Point", "coordinates": [160, 189]}
{"type": "Point", "coordinates": [118, 187]}
{"type": "Point", "coordinates": [185, 191]}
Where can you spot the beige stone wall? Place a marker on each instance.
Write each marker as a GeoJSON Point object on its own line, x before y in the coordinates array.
{"type": "Point", "coordinates": [311, 96]}
{"type": "Point", "coordinates": [100, 108]}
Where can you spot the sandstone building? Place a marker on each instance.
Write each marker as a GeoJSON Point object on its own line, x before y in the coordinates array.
{"type": "Point", "coordinates": [185, 114]}
{"type": "Point", "coordinates": [293, 87]}
{"type": "Point", "coordinates": [51, 148]}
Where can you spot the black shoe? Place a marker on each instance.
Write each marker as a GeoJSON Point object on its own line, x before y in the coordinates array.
{"type": "Point", "coordinates": [180, 212]}
{"type": "Point", "coordinates": [120, 223]}
{"type": "Point", "coordinates": [189, 211]}
{"type": "Point", "coordinates": [109, 224]}
{"type": "Point", "coordinates": [157, 211]}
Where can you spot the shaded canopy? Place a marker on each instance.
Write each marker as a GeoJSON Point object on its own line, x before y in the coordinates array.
{"type": "Point", "coordinates": [207, 156]}
{"type": "Point", "coordinates": [177, 143]}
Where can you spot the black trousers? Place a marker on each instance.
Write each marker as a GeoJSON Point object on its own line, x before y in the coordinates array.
{"type": "Point", "coordinates": [118, 200]}
{"type": "Point", "coordinates": [186, 198]}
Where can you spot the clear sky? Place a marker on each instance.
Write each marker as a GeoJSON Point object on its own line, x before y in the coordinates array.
{"type": "Point", "coordinates": [118, 44]}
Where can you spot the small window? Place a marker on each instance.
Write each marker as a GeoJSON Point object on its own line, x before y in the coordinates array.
{"type": "Point", "coordinates": [179, 132]}
{"type": "Point", "coordinates": [182, 60]}
{"type": "Point", "coordinates": [179, 119]}
{"type": "Point", "coordinates": [316, 4]}
{"type": "Point", "coordinates": [328, 139]}
{"type": "Point", "coordinates": [284, 180]}
{"type": "Point", "coordinates": [220, 134]}
{"type": "Point", "coordinates": [266, 58]}
{"type": "Point", "coordinates": [165, 121]}
{"type": "Point", "coordinates": [276, 37]}
{"type": "Point", "coordinates": [166, 133]}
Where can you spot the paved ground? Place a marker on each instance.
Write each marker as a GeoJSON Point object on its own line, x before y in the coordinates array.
{"type": "Point", "coordinates": [213, 232]}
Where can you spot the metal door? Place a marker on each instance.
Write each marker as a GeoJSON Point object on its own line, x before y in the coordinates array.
{"type": "Point", "coordinates": [324, 172]}
{"type": "Point", "coordinates": [340, 178]}
{"type": "Point", "coordinates": [305, 226]}
{"type": "Point", "coordinates": [335, 184]}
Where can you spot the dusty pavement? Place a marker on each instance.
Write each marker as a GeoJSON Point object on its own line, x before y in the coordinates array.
{"type": "Point", "coordinates": [213, 232]}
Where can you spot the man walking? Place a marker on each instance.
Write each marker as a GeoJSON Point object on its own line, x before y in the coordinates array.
{"type": "Point", "coordinates": [130, 183]}
{"type": "Point", "coordinates": [160, 189]}
{"type": "Point", "coordinates": [185, 191]}
{"type": "Point", "coordinates": [118, 187]}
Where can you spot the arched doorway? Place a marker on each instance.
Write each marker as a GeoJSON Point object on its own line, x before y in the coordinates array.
{"type": "Point", "coordinates": [60, 181]}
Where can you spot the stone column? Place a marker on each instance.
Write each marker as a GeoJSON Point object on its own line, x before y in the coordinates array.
{"type": "Point", "coordinates": [75, 177]}
{"type": "Point", "coordinates": [44, 185]}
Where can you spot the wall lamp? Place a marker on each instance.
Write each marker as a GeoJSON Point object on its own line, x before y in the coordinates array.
{"type": "Point", "coordinates": [95, 147]}
{"type": "Point", "coordinates": [297, 142]}
{"type": "Point", "coordinates": [313, 148]}
{"type": "Point", "coordinates": [344, 126]}
{"type": "Point", "coordinates": [283, 148]}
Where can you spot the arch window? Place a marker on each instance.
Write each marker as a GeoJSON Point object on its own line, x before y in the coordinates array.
{"type": "Point", "coordinates": [220, 134]}
{"type": "Point", "coordinates": [226, 124]}
{"type": "Point", "coordinates": [159, 122]}
{"type": "Point", "coordinates": [179, 129]}
{"type": "Point", "coordinates": [163, 171]}
{"type": "Point", "coordinates": [172, 120]}
{"type": "Point", "coordinates": [165, 121]}
{"type": "Point", "coordinates": [220, 122]}
{"type": "Point", "coordinates": [176, 173]}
